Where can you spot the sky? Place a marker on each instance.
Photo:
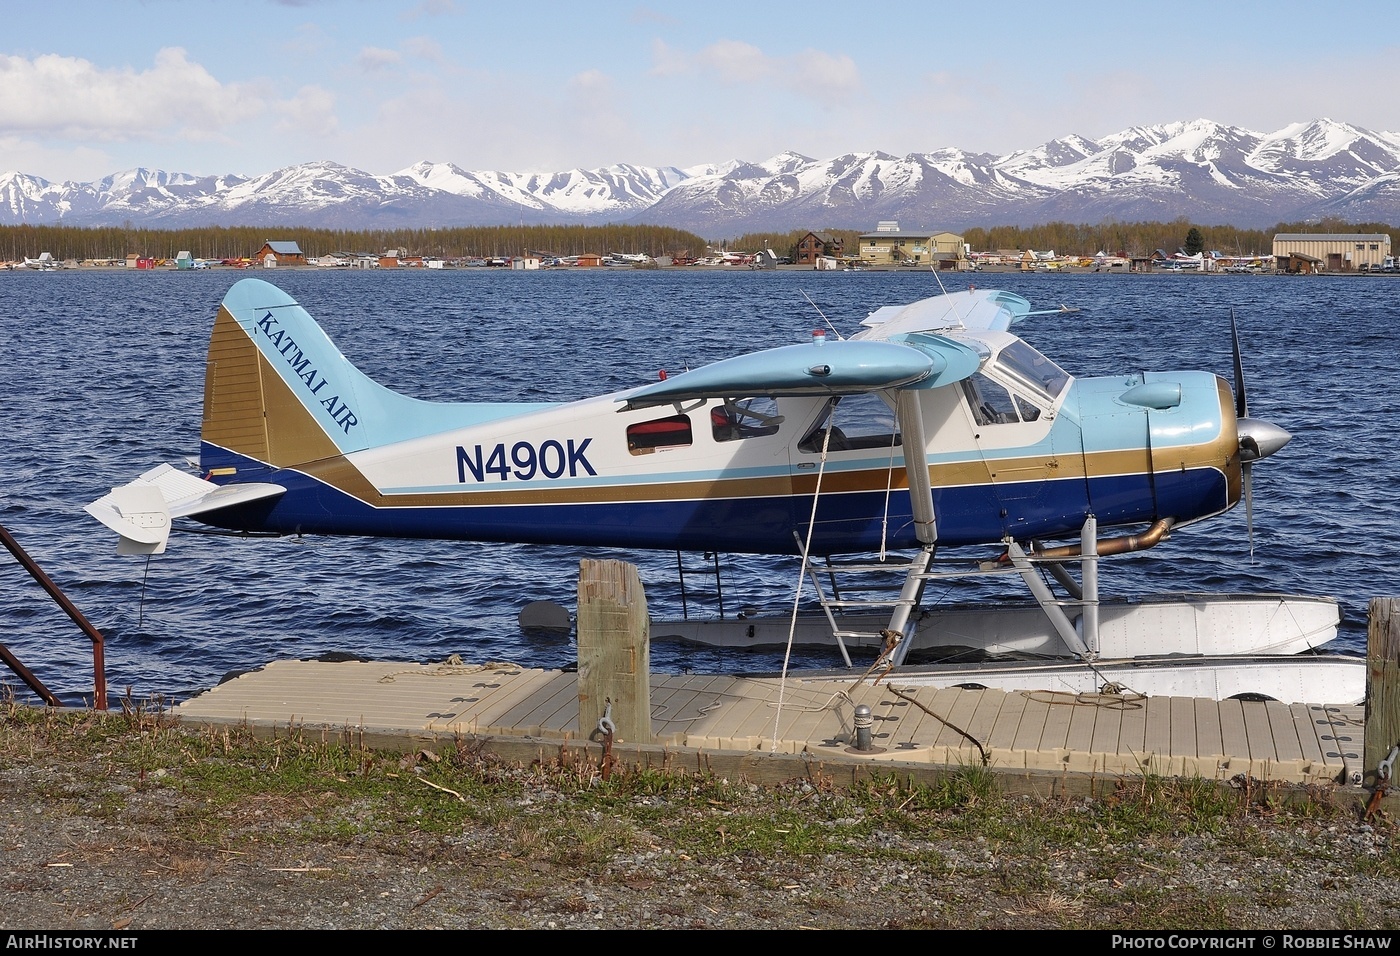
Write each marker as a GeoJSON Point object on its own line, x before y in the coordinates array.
{"type": "Point", "coordinates": [89, 89]}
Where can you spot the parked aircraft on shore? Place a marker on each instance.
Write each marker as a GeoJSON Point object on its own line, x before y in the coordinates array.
{"type": "Point", "coordinates": [45, 263]}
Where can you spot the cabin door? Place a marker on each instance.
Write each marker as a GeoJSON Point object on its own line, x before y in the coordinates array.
{"type": "Point", "coordinates": [1032, 467]}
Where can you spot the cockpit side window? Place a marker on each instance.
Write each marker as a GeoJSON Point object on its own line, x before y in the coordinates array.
{"type": "Point", "coordinates": [990, 402]}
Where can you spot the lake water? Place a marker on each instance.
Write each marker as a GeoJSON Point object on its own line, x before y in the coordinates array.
{"type": "Point", "coordinates": [103, 376]}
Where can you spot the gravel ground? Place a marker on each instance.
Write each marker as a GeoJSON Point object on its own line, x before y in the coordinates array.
{"type": "Point", "coordinates": [87, 846]}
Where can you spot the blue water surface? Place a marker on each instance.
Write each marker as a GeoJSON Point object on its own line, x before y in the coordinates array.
{"type": "Point", "coordinates": [103, 377]}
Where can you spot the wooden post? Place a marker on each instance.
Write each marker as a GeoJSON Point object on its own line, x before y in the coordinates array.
{"type": "Point", "coordinates": [614, 652]}
{"type": "Point", "coordinates": [1382, 731]}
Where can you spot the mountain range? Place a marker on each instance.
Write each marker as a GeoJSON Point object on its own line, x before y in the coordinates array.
{"type": "Point", "coordinates": [1199, 170]}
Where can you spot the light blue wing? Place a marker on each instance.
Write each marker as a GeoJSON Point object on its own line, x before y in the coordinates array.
{"type": "Point", "coordinates": [845, 367]}
{"type": "Point", "coordinates": [973, 310]}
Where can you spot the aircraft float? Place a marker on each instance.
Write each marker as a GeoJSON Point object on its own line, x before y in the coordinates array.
{"type": "Point", "coordinates": [933, 429]}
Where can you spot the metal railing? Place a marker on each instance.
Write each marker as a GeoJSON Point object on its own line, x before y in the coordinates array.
{"type": "Point", "coordinates": [99, 681]}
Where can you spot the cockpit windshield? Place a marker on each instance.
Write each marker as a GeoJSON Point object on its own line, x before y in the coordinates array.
{"type": "Point", "coordinates": [1034, 369]}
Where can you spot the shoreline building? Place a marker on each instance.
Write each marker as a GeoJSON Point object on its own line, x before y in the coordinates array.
{"type": "Point", "coordinates": [279, 253]}
{"type": "Point", "coordinates": [1336, 251]}
{"type": "Point", "coordinates": [890, 245]}
{"type": "Point", "coordinates": [814, 246]}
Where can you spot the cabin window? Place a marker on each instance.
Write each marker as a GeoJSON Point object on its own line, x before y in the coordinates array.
{"type": "Point", "coordinates": [733, 419]}
{"type": "Point", "coordinates": [857, 421]}
{"type": "Point", "coordinates": [643, 438]}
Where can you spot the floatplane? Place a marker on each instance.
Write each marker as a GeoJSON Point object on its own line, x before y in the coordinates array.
{"type": "Point", "coordinates": [880, 460]}
{"type": "Point", "coordinates": [45, 263]}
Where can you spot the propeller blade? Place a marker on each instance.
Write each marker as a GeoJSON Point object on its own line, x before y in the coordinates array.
{"type": "Point", "coordinates": [1247, 473]}
{"type": "Point", "coordinates": [1257, 439]}
{"type": "Point", "coordinates": [1241, 405]}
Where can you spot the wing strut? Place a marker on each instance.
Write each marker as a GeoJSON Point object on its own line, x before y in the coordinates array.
{"type": "Point", "coordinates": [910, 415]}
{"type": "Point", "coordinates": [911, 426]}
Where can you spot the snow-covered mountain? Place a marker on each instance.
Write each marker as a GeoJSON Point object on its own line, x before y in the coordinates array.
{"type": "Point", "coordinates": [1200, 170]}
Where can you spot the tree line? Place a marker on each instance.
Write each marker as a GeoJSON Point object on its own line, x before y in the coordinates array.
{"type": "Point", "coordinates": [1084, 239]}
{"type": "Point", "coordinates": [1143, 238]}
{"type": "Point", "coordinates": [234, 242]}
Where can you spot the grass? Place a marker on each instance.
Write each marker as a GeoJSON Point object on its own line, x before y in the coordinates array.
{"type": "Point", "coordinates": [1152, 853]}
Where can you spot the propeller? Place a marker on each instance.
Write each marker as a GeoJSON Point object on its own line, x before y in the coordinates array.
{"type": "Point", "coordinates": [1258, 439]}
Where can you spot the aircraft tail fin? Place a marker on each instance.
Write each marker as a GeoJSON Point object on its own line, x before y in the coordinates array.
{"type": "Point", "coordinates": [278, 391]}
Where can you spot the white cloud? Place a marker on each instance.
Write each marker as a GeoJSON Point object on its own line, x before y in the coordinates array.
{"type": "Point", "coordinates": [65, 164]}
{"type": "Point", "coordinates": [650, 16]}
{"type": "Point", "coordinates": [310, 112]}
{"type": "Point", "coordinates": [733, 61]}
{"type": "Point", "coordinates": [373, 58]}
{"type": "Point", "coordinates": [667, 61]}
{"type": "Point", "coordinates": [824, 74]}
{"type": "Point", "coordinates": [424, 48]}
{"type": "Point", "coordinates": [73, 98]}
{"type": "Point", "coordinates": [502, 123]}
{"type": "Point", "coordinates": [305, 41]}
{"type": "Point", "coordinates": [429, 8]}
{"type": "Point", "coordinates": [808, 74]}
{"type": "Point", "coordinates": [591, 81]}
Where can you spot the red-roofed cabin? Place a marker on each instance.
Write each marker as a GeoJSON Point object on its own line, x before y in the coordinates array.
{"type": "Point", "coordinates": [278, 253]}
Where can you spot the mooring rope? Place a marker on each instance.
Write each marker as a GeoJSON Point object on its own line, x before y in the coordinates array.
{"type": "Point", "coordinates": [802, 575]}
{"type": "Point", "coordinates": [452, 667]}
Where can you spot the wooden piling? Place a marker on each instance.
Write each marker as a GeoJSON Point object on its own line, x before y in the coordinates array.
{"type": "Point", "coordinates": [1382, 733]}
{"type": "Point", "coordinates": [614, 652]}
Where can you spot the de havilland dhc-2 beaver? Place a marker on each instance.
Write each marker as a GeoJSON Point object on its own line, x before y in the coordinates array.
{"type": "Point", "coordinates": [933, 429]}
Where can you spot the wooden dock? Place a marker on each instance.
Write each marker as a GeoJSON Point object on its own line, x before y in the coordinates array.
{"type": "Point", "coordinates": [770, 728]}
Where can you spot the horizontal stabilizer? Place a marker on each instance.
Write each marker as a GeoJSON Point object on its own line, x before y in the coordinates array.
{"type": "Point", "coordinates": [141, 511]}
